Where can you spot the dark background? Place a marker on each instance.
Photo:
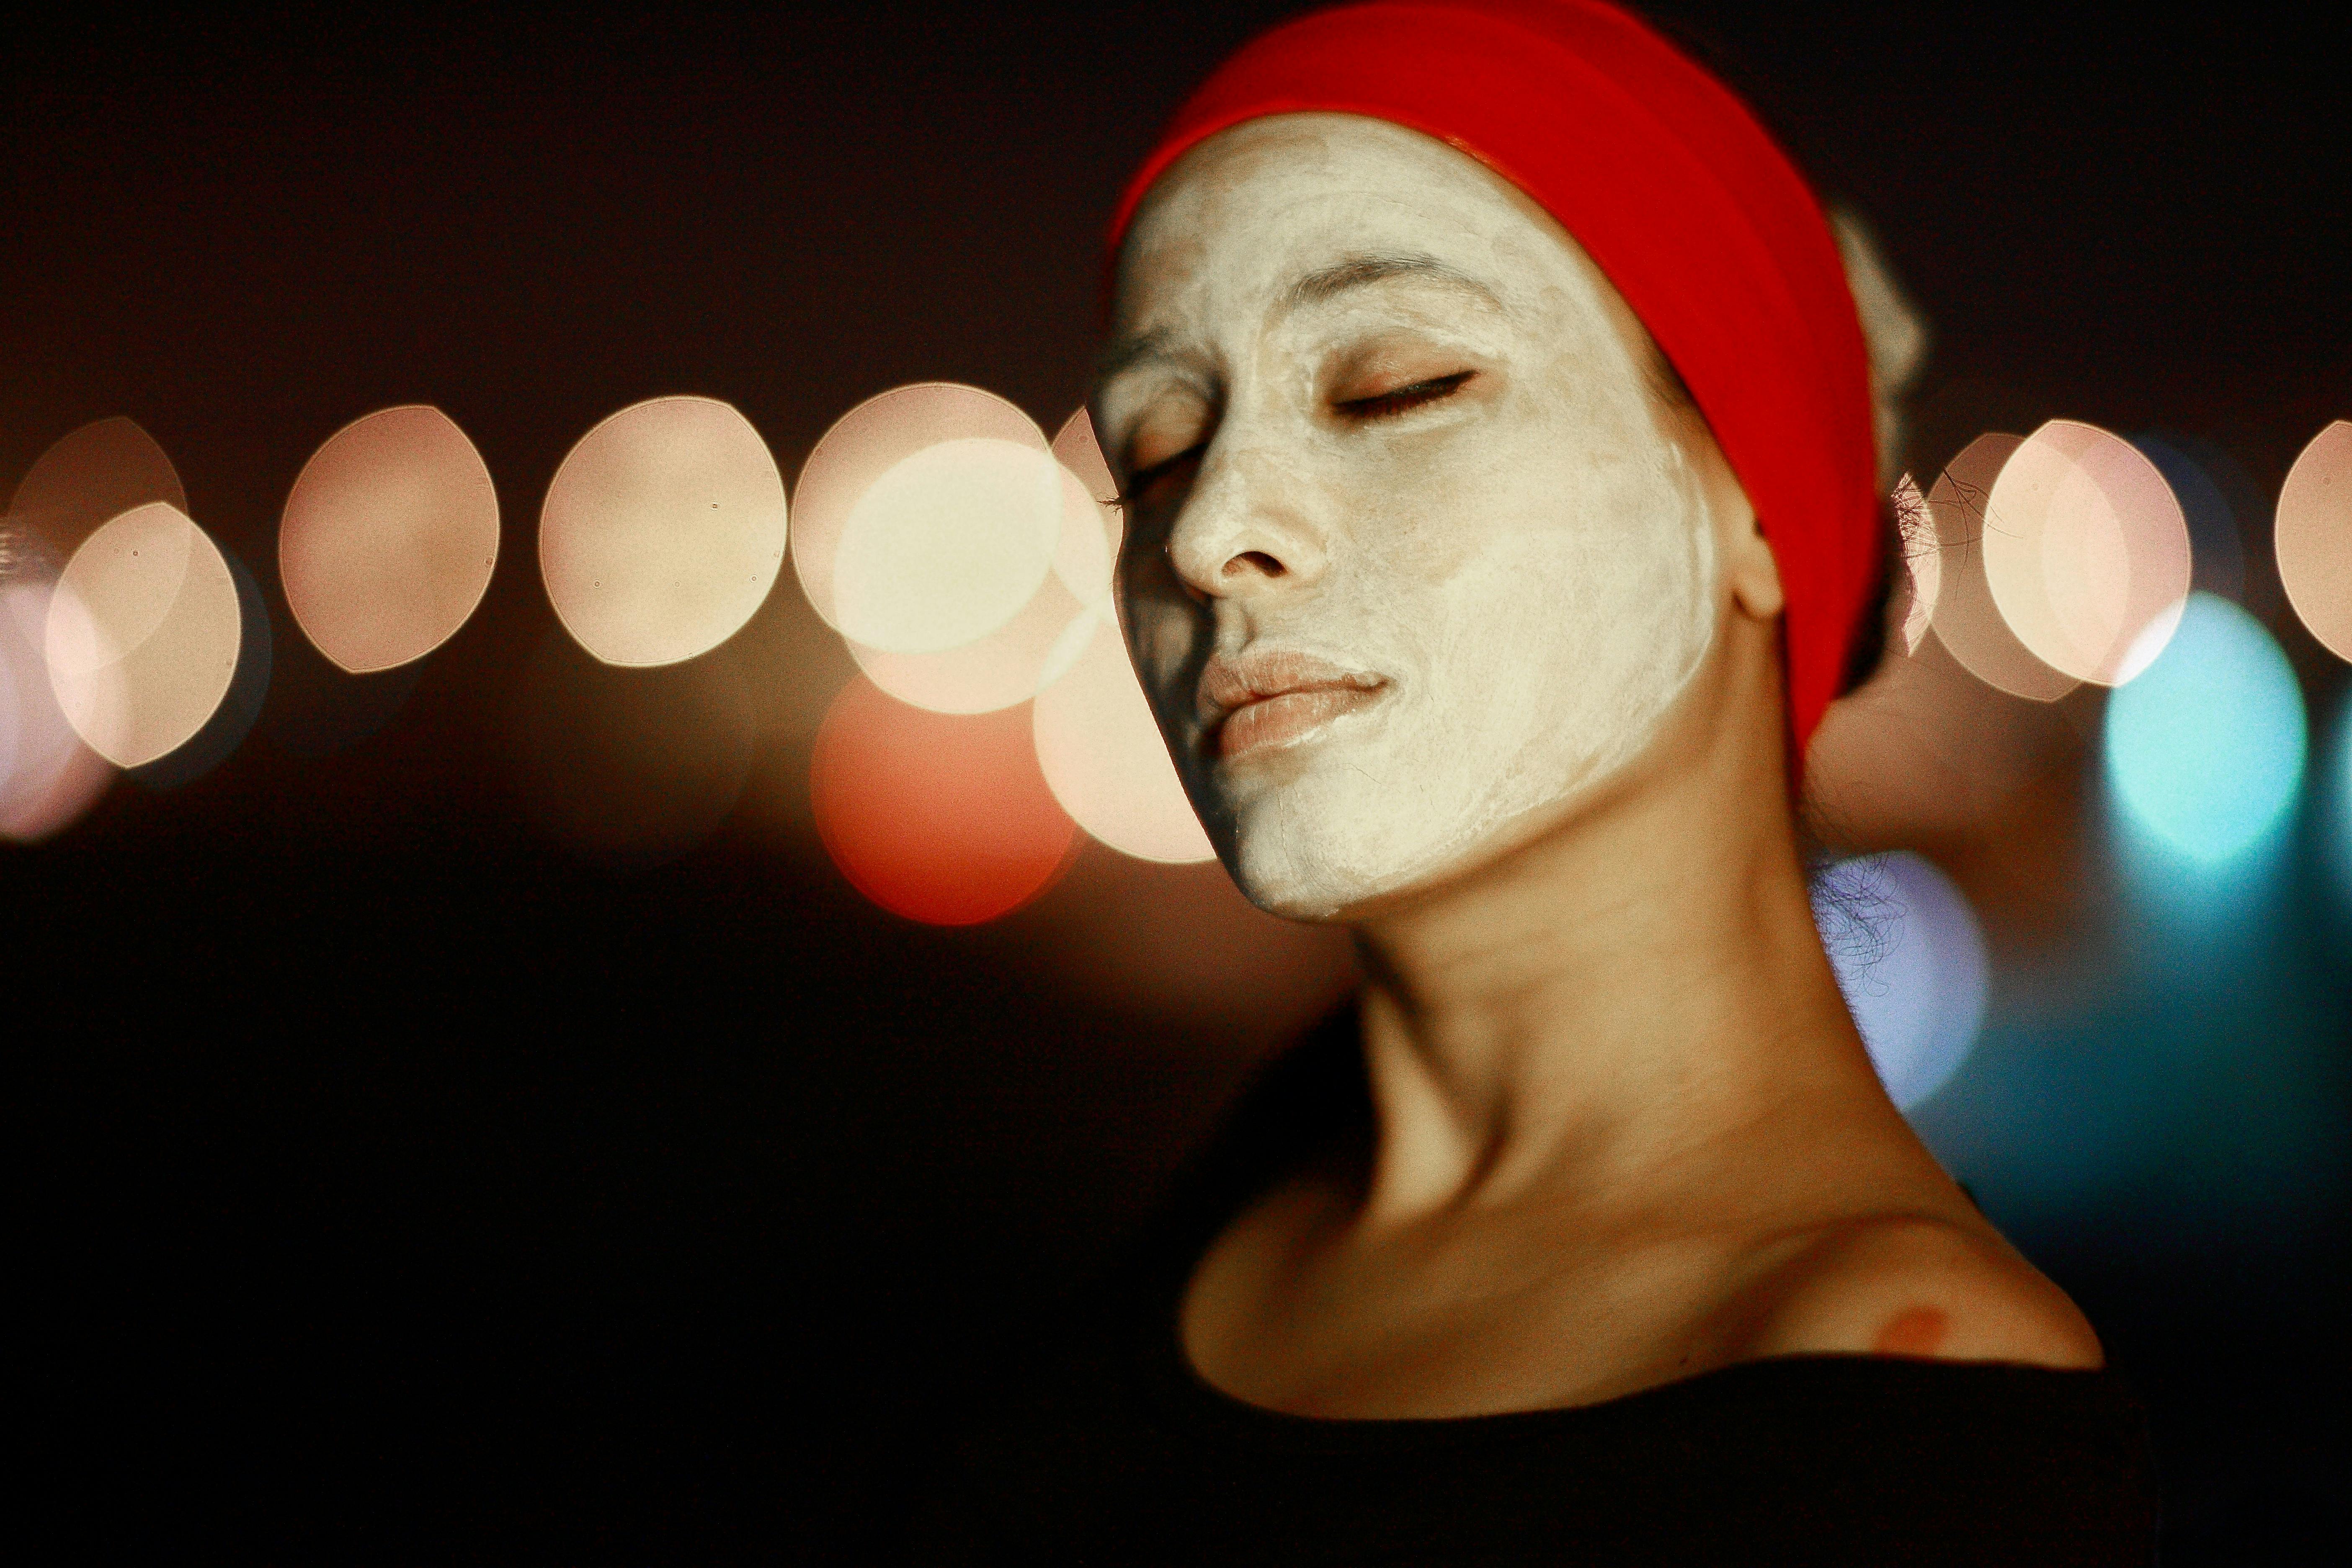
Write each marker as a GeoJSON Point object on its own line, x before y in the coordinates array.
{"type": "Point", "coordinates": [403, 1182]}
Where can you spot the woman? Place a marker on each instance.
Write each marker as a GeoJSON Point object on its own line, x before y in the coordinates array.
{"type": "Point", "coordinates": [1493, 429]}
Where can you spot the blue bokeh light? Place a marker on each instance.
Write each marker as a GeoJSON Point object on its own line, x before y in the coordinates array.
{"type": "Point", "coordinates": [2337, 840]}
{"type": "Point", "coordinates": [2206, 747]}
{"type": "Point", "coordinates": [1910, 958]}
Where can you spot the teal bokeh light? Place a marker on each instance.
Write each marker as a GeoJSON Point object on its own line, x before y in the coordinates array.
{"type": "Point", "coordinates": [2205, 749]}
{"type": "Point", "coordinates": [2338, 806]}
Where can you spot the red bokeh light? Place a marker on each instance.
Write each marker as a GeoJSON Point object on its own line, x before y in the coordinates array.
{"type": "Point", "coordinates": [944, 818]}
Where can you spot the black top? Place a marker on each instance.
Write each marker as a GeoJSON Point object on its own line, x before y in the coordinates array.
{"type": "Point", "coordinates": [1122, 1454]}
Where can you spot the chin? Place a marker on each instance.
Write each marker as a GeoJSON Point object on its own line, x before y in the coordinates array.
{"type": "Point", "coordinates": [1329, 841]}
{"type": "Point", "coordinates": [1324, 850]}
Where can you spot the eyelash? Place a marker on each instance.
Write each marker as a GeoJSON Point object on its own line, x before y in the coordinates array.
{"type": "Point", "coordinates": [1381, 406]}
{"type": "Point", "coordinates": [1387, 404]}
{"type": "Point", "coordinates": [1128, 497]}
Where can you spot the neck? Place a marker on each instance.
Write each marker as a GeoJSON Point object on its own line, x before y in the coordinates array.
{"type": "Point", "coordinates": [1593, 1010]}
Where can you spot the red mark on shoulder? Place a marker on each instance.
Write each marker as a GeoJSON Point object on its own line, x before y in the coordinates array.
{"type": "Point", "coordinates": [1919, 1331]}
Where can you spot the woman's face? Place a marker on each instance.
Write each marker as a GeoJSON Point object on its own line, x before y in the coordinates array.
{"type": "Point", "coordinates": [1416, 551]}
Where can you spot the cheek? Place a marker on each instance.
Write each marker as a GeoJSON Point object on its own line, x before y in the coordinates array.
{"type": "Point", "coordinates": [1583, 535]}
{"type": "Point", "coordinates": [1570, 600]}
{"type": "Point", "coordinates": [1542, 642]}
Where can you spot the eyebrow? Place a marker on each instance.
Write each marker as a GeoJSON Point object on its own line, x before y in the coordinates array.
{"type": "Point", "coordinates": [1313, 288]}
{"type": "Point", "coordinates": [1362, 272]}
{"type": "Point", "coordinates": [1129, 351]}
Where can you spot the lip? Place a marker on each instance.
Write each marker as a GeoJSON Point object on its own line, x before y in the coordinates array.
{"type": "Point", "coordinates": [1272, 698]}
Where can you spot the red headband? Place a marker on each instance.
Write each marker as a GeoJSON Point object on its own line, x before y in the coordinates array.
{"type": "Point", "coordinates": [1679, 196]}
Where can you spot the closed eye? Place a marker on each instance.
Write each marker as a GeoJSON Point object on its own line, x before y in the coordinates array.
{"type": "Point", "coordinates": [1144, 481]}
{"type": "Point", "coordinates": [1384, 404]}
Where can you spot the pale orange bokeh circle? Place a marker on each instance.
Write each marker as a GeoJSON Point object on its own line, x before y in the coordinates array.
{"type": "Point", "coordinates": [1102, 753]}
{"type": "Point", "coordinates": [865, 444]}
{"type": "Point", "coordinates": [662, 531]}
{"type": "Point", "coordinates": [1028, 653]}
{"type": "Point", "coordinates": [389, 539]}
{"type": "Point", "coordinates": [2086, 552]}
{"type": "Point", "coordinates": [947, 545]}
{"type": "Point", "coordinates": [48, 778]}
{"type": "Point", "coordinates": [1076, 445]}
{"type": "Point", "coordinates": [88, 477]}
{"type": "Point", "coordinates": [1967, 621]}
{"type": "Point", "coordinates": [143, 635]}
{"type": "Point", "coordinates": [2313, 537]}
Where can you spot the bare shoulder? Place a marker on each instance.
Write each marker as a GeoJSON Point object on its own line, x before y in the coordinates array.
{"type": "Point", "coordinates": [1913, 1286]}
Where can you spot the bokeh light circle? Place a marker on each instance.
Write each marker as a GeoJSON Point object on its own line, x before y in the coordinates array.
{"type": "Point", "coordinates": [2313, 537]}
{"type": "Point", "coordinates": [2339, 839]}
{"type": "Point", "coordinates": [947, 545]}
{"type": "Point", "coordinates": [240, 706]}
{"type": "Point", "coordinates": [1009, 665]}
{"type": "Point", "coordinates": [1031, 651]}
{"type": "Point", "coordinates": [939, 818]}
{"type": "Point", "coordinates": [971, 569]}
{"type": "Point", "coordinates": [143, 635]}
{"type": "Point", "coordinates": [2086, 552]}
{"type": "Point", "coordinates": [1104, 757]}
{"type": "Point", "coordinates": [1965, 619]}
{"type": "Point", "coordinates": [1911, 961]}
{"type": "Point", "coordinates": [662, 531]}
{"type": "Point", "coordinates": [48, 776]}
{"type": "Point", "coordinates": [1082, 455]}
{"type": "Point", "coordinates": [90, 476]}
{"type": "Point", "coordinates": [2205, 749]}
{"type": "Point", "coordinates": [389, 539]}
{"type": "Point", "coordinates": [867, 443]}
{"type": "Point", "coordinates": [1088, 546]}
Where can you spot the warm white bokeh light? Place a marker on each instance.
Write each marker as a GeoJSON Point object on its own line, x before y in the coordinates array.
{"type": "Point", "coordinates": [970, 573]}
{"type": "Point", "coordinates": [867, 443]}
{"type": "Point", "coordinates": [1103, 756]}
{"type": "Point", "coordinates": [1009, 665]}
{"type": "Point", "coordinates": [1079, 453]}
{"type": "Point", "coordinates": [1089, 545]}
{"type": "Point", "coordinates": [1967, 621]}
{"type": "Point", "coordinates": [88, 475]}
{"type": "Point", "coordinates": [2086, 552]}
{"type": "Point", "coordinates": [143, 635]}
{"type": "Point", "coordinates": [48, 778]}
{"type": "Point", "coordinates": [2314, 536]}
{"type": "Point", "coordinates": [663, 532]}
{"type": "Point", "coordinates": [1923, 560]}
{"type": "Point", "coordinates": [389, 539]}
{"type": "Point", "coordinates": [1028, 653]}
{"type": "Point", "coordinates": [947, 545]}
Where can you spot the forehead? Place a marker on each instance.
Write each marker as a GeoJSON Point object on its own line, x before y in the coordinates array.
{"type": "Point", "coordinates": [1254, 208]}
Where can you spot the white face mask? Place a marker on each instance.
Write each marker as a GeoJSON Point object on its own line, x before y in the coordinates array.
{"type": "Point", "coordinates": [1417, 554]}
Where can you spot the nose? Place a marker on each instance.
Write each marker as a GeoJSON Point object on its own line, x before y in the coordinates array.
{"type": "Point", "coordinates": [1247, 528]}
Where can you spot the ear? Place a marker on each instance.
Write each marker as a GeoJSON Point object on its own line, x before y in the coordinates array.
{"type": "Point", "coordinates": [1748, 565]}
